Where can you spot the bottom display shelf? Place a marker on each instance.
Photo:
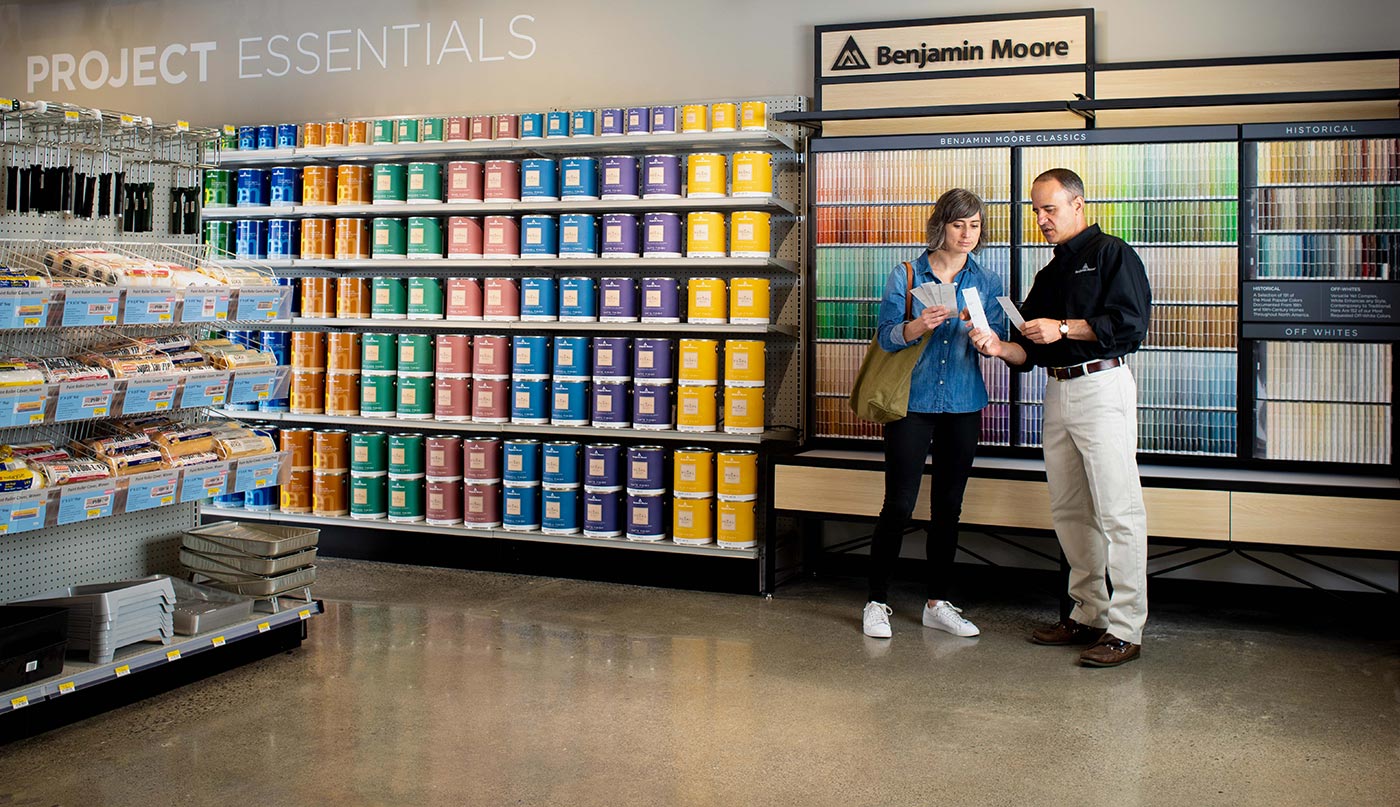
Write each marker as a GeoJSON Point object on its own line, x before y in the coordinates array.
{"type": "Point", "coordinates": [78, 675]}
{"type": "Point", "coordinates": [502, 534]}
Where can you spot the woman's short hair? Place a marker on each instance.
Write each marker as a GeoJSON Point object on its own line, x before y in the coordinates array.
{"type": "Point", "coordinates": [951, 206]}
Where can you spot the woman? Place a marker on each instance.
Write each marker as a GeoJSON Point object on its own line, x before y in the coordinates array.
{"type": "Point", "coordinates": [946, 396]}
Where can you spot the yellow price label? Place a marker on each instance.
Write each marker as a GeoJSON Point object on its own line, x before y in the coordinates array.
{"type": "Point", "coordinates": [230, 131]}
{"type": "Point", "coordinates": [4, 527]}
{"type": "Point", "coordinates": [20, 702]}
{"type": "Point", "coordinates": [67, 688]}
{"type": "Point", "coordinates": [30, 321]}
{"type": "Point", "coordinates": [70, 115]}
{"type": "Point", "coordinates": [167, 500]}
{"type": "Point", "coordinates": [217, 399]}
{"type": "Point", "coordinates": [123, 671]}
{"type": "Point", "coordinates": [7, 102]}
{"type": "Point", "coordinates": [94, 513]}
{"type": "Point", "coordinates": [99, 411]}
{"type": "Point", "coordinates": [263, 627]}
{"type": "Point", "coordinates": [128, 120]}
{"type": "Point", "coordinates": [304, 613]}
{"type": "Point", "coordinates": [36, 418]}
{"type": "Point", "coordinates": [109, 319]}
{"type": "Point", "coordinates": [259, 483]}
{"type": "Point", "coordinates": [173, 655]}
{"type": "Point", "coordinates": [182, 126]}
{"type": "Point", "coordinates": [164, 317]}
{"type": "Point", "coordinates": [263, 394]}
{"type": "Point", "coordinates": [218, 641]}
{"type": "Point", "coordinates": [162, 404]}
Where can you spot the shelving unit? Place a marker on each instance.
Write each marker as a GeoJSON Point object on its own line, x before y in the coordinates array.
{"type": "Point", "coordinates": [769, 203]}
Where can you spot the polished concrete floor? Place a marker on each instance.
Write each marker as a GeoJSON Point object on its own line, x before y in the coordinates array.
{"type": "Point", "coordinates": [426, 686]}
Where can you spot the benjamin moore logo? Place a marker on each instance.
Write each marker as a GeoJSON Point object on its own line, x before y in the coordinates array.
{"type": "Point", "coordinates": [850, 57]}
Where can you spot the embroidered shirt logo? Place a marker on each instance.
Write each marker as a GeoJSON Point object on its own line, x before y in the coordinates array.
{"type": "Point", "coordinates": [1086, 268]}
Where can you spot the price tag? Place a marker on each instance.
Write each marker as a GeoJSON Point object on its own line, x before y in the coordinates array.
{"type": "Point", "coordinates": [20, 702]}
{"type": "Point", "coordinates": [231, 131]}
{"type": "Point", "coordinates": [172, 655]}
{"type": "Point", "coordinates": [71, 115]}
{"type": "Point", "coordinates": [86, 501]}
{"type": "Point", "coordinates": [250, 386]}
{"type": "Point", "coordinates": [22, 514]}
{"type": "Point", "coordinates": [253, 474]}
{"type": "Point", "coordinates": [67, 688]}
{"type": "Point", "coordinates": [23, 308]}
{"type": "Point", "coordinates": [149, 307]}
{"type": "Point", "coordinates": [154, 489]}
{"type": "Point", "coordinates": [128, 120]}
{"type": "Point", "coordinates": [203, 481]}
{"type": "Point", "coordinates": [144, 395]}
{"type": "Point", "coordinates": [80, 400]}
{"type": "Point", "coordinates": [205, 389]}
{"type": "Point", "coordinates": [262, 305]}
{"type": "Point", "coordinates": [218, 641]}
{"type": "Point", "coordinates": [123, 671]}
{"type": "Point", "coordinates": [182, 126]}
{"type": "Point", "coordinates": [87, 308]}
{"type": "Point", "coordinates": [206, 305]}
{"type": "Point", "coordinates": [264, 627]}
{"type": "Point", "coordinates": [23, 406]}
{"type": "Point", "coordinates": [304, 614]}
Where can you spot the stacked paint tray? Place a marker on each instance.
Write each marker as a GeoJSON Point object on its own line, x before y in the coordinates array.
{"type": "Point", "coordinates": [255, 561]}
{"type": "Point", "coordinates": [104, 617]}
{"type": "Point", "coordinates": [200, 608]}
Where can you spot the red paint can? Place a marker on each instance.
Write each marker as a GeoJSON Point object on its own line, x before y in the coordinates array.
{"type": "Point", "coordinates": [444, 502]}
{"type": "Point", "coordinates": [483, 505]}
{"type": "Point", "coordinates": [464, 181]}
{"type": "Point", "coordinates": [453, 397]}
{"type": "Point", "coordinates": [491, 355]}
{"type": "Point", "coordinates": [464, 299]}
{"type": "Point", "coordinates": [481, 459]}
{"type": "Point", "coordinates": [502, 299]}
{"type": "Point", "coordinates": [452, 353]}
{"type": "Point", "coordinates": [502, 181]}
{"type": "Point", "coordinates": [444, 456]}
{"type": "Point", "coordinates": [491, 399]}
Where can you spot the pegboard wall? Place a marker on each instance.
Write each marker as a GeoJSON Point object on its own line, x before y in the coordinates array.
{"type": "Point", "coordinates": [65, 227]}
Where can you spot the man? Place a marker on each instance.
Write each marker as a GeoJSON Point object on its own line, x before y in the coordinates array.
{"type": "Point", "coordinates": [1087, 310]}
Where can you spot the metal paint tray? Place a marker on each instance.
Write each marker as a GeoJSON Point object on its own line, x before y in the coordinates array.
{"type": "Point", "coordinates": [205, 608]}
{"type": "Point", "coordinates": [106, 600]}
{"type": "Point", "coordinates": [246, 564]}
{"type": "Point", "coordinates": [261, 540]}
{"type": "Point", "coordinates": [254, 586]}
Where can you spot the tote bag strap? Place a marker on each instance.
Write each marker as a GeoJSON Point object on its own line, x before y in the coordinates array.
{"type": "Point", "coordinates": [908, 291]}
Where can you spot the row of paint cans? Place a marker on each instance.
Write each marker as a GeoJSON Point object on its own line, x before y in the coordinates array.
{"type": "Point", "coordinates": [744, 362]}
{"type": "Point", "coordinates": [334, 298]}
{"type": "Point", "coordinates": [722, 116]}
{"type": "Point", "coordinates": [265, 137]}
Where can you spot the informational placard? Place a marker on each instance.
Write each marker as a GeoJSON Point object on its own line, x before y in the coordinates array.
{"type": "Point", "coordinates": [1314, 301]}
{"type": "Point", "coordinates": [263, 304]}
{"type": "Point", "coordinates": [257, 472]}
{"type": "Point", "coordinates": [87, 500]}
{"type": "Point", "coordinates": [250, 386]}
{"type": "Point", "coordinates": [205, 389]}
{"type": "Point", "coordinates": [22, 513]}
{"type": "Point", "coordinates": [202, 481]}
{"type": "Point", "coordinates": [88, 308]}
{"type": "Point", "coordinates": [24, 308]}
{"type": "Point", "coordinates": [206, 305]}
{"type": "Point", "coordinates": [149, 307]}
{"type": "Point", "coordinates": [82, 400]}
{"type": "Point", "coordinates": [23, 406]}
{"type": "Point", "coordinates": [146, 395]}
{"type": "Point", "coordinates": [154, 489]}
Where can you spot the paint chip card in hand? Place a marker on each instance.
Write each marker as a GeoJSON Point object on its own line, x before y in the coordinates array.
{"type": "Point", "coordinates": [1011, 312]}
{"type": "Point", "coordinates": [921, 293]}
{"type": "Point", "coordinates": [974, 309]}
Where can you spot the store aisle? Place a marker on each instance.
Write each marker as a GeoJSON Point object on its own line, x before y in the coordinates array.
{"type": "Point", "coordinates": [426, 686]}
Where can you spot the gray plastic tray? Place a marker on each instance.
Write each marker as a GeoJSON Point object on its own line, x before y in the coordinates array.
{"type": "Point", "coordinates": [104, 599]}
{"type": "Point", "coordinates": [247, 564]}
{"type": "Point", "coordinates": [261, 540]}
{"type": "Point", "coordinates": [255, 586]}
{"type": "Point", "coordinates": [205, 608]}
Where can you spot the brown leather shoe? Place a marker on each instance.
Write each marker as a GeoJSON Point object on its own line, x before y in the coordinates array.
{"type": "Point", "coordinates": [1066, 631]}
{"type": "Point", "coordinates": [1110, 651]}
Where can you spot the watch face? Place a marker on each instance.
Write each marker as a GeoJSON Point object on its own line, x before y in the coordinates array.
{"type": "Point", "coordinates": [1064, 328]}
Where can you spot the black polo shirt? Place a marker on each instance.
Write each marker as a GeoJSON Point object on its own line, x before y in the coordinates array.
{"type": "Point", "coordinates": [1094, 277]}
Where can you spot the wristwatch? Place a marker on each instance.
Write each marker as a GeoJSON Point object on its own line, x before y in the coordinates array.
{"type": "Point", "coordinates": [1064, 329]}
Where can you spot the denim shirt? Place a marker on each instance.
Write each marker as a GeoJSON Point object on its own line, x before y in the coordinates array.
{"type": "Point", "coordinates": [948, 377]}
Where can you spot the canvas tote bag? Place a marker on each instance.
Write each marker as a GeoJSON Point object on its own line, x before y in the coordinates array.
{"type": "Point", "coordinates": [881, 391]}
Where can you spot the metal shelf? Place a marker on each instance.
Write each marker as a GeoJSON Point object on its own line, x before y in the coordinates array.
{"type": "Point", "coordinates": [625, 144]}
{"type": "Point", "coordinates": [771, 203]}
{"type": "Point", "coordinates": [429, 265]}
{"type": "Point", "coordinates": [500, 534]}
{"type": "Point", "coordinates": [1267, 185]}
{"type": "Point", "coordinates": [772, 435]}
{"type": "Point", "coordinates": [552, 326]}
{"type": "Point", "coordinates": [144, 656]}
{"type": "Point", "coordinates": [887, 203]}
{"type": "Point", "coordinates": [1341, 231]}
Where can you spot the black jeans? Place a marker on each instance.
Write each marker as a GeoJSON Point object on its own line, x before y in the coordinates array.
{"type": "Point", "coordinates": [951, 438]}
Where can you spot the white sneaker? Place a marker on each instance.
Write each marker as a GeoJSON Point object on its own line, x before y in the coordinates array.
{"type": "Point", "coordinates": [945, 616]}
{"type": "Point", "coordinates": [877, 620]}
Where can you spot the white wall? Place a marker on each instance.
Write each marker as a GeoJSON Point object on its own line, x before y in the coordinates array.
{"type": "Point", "coordinates": [583, 54]}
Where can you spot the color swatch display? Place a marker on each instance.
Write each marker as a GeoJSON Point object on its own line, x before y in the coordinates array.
{"type": "Point", "coordinates": [1324, 401]}
{"type": "Point", "coordinates": [1363, 208]}
{"type": "Point", "coordinates": [1155, 222]}
{"type": "Point", "coordinates": [1327, 162]}
{"type": "Point", "coordinates": [918, 176]}
{"type": "Point", "coordinates": [1141, 170]}
{"type": "Point", "coordinates": [860, 273]}
{"type": "Point", "coordinates": [1330, 256]}
{"type": "Point", "coordinates": [1324, 371]}
{"type": "Point", "coordinates": [1323, 432]}
{"type": "Point", "coordinates": [898, 223]}
{"type": "Point", "coordinates": [1176, 275]}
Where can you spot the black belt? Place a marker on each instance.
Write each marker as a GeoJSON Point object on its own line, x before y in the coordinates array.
{"type": "Point", "coordinates": [1078, 370]}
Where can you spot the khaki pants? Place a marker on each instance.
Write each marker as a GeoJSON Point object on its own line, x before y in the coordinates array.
{"type": "Point", "coordinates": [1090, 441]}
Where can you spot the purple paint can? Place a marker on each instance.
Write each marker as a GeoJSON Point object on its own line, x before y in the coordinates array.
{"type": "Point", "coordinates": [661, 299]}
{"type": "Point", "coordinates": [661, 236]}
{"type": "Point", "coordinates": [653, 407]}
{"type": "Point", "coordinates": [612, 122]}
{"type": "Point", "coordinates": [618, 301]}
{"type": "Point", "coordinates": [620, 177]}
{"type": "Point", "coordinates": [600, 516]}
{"type": "Point", "coordinates": [646, 469]}
{"type": "Point", "coordinates": [620, 236]}
{"type": "Point", "coordinates": [646, 517]}
{"type": "Point", "coordinates": [602, 466]}
{"type": "Point", "coordinates": [661, 176]}
{"type": "Point", "coordinates": [612, 358]}
{"type": "Point", "coordinates": [612, 404]}
{"type": "Point", "coordinates": [664, 120]}
{"type": "Point", "coordinates": [638, 120]}
{"type": "Point", "coordinates": [652, 360]}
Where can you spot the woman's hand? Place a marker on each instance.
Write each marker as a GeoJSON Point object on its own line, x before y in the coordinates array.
{"type": "Point", "coordinates": [933, 316]}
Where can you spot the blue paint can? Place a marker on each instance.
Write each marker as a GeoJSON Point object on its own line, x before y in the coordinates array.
{"type": "Point", "coordinates": [602, 466]}
{"type": "Point", "coordinates": [531, 125]}
{"type": "Point", "coordinates": [638, 120]}
{"type": "Point", "coordinates": [653, 406]}
{"type": "Point", "coordinates": [560, 506]}
{"type": "Point", "coordinates": [570, 402]}
{"type": "Point", "coordinates": [661, 297]}
{"type": "Point", "coordinates": [263, 500]}
{"type": "Point", "coordinates": [539, 299]}
{"type": "Point", "coordinates": [530, 356]}
{"type": "Point", "coordinates": [600, 516]}
{"type": "Point", "coordinates": [578, 299]}
{"type": "Point", "coordinates": [539, 180]}
{"type": "Point", "coordinates": [520, 507]}
{"type": "Point", "coordinates": [612, 404]}
{"type": "Point", "coordinates": [230, 501]}
{"type": "Point", "coordinates": [562, 462]}
{"type": "Point", "coordinates": [278, 343]}
{"type": "Point", "coordinates": [283, 239]}
{"type": "Point", "coordinates": [247, 138]}
{"type": "Point", "coordinates": [252, 187]}
{"type": "Point", "coordinates": [539, 237]}
{"type": "Point", "coordinates": [620, 177]}
{"type": "Point", "coordinates": [579, 178]}
{"type": "Point", "coordinates": [652, 361]}
{"type": "Point", "coordinates": [646, 469]}
{"type": "Point", "coordinates": [267, 137]}
{"type": "Point", "coordinates": [529, 401]}
{"type": "Point", "coordinates": [583, 123]}
{"type": "Point", "coordinates": [556, 124]}
{"type": "Point", "coordinates": [578, 236]}
{"type": "Point", "coordinates": [522, 462]}
{"type": "Point", "coordinates": [250, 239]}
{"type": "Point", "coordinates": [613, 122]}
{"type": "Point", "coordinates": [287, 136]}
{"type": "Point", "coordinates": [285, 186]}
{"type": "Point", "coordinates": [571, 357]}
{"type": "Point", "coordinates": [646, 517]}
{"type": "Point", "coordinates": [612, 358]}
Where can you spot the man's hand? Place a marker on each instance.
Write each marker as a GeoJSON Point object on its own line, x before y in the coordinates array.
{"type": "Point", "coordinates": [1042, 331]}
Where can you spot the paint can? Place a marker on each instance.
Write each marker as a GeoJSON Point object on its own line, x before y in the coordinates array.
{"type": "Point", "coordinates": [693, 522]}
{"type": "Point", "coordinates": [750, 235]}
{"type": "Point", "coordinates": [283, 239]}
{"type": "Point", "coordinates": [452, 353]}
{"type": "Point", "coordinates": [736, 473]}
{"type": "Point", "coordinates": [530, 355]}
{"type": "Point", "coordinates": [317, 239]}
{"type": "Point", "coordinates": [219, 235]}
{"type": "Point", "coordinates": [247, 138]}
{"type": "Point", "coordinates": [502, 299]}
{"type": "Point", "coordinates": [356, 133]}
{"type": "Point", "coordinates": [481, 460]}
{"type": "Point", "coordinates": [424, 183]}
{"type": "Point", "coordinates": [464, 238]}
{"type": "Point", "coordinates": [296, 493]}
{"type": "Point", "coordinates": [353, 184]}
{"type": "Point", "coordinates": [483, 505]}
{"type": "Point", "coordinates": [735, 527]}
{"type": "Point", "coordinates": [299, 441]}
{"type": "Point", "coordinates": [425, 299]}
{"type": "Point", "coordinates": [621, 236]}
{"type": "Point", "coordinates": [744, 363]}
{"type": "Point", "coordinates": [707, 301]}
{"type": "Point", "coordinates": [507, 127]}
{"type": "Point", "coordinates": [369, 452]}
{"type": "Point", "coordinates": [502, 181]}
{"type": "Point", "coordinates": [753, 116]}
{"type": "Point", "coordinates": [406, 498]}
{"type": "Point", "coordinates": [464, 300]}
{"type": "Point", "coordinates": [406, 454]}
{"type": "Point", "coordinates": [379, 393]}
{"type": "Point", "coordinates": [443, 502]}
{"type": "Point", "coordinates": [612, 358]}
{"type": "Point", "coordinates": [452, 394]}
{"type": "Point", "coordinates": [652, 360]}
{"type": "Point", "coordinates": [332, 134]}
{"type": "Point", "coordinates": [491, 355]}
{"type": "Point", "coordinates": [318, 186]}
{"type": "Point", "coordinates": [424, 239]}
{"type": "Point", "coordinates": [407, 130]}
{"type": "Point", "coordinates": [661, 176]}
{"type": "Point", "coordinates": [561, 511]}
{"type": "Point", "coordinates": [578, 299]}
{"type": "Point", "coordinates": [328, 493]}
{"type": "Point", "coordinates": [415, 396]}
{"type": "Point", "coordinates": [483, 127]}
{"type": "Point", "coordinates": [724, 117]}
{"type": "Point", "coordinates": [431, 130]}
{"type": "Point", "coordinates": [562, 462]}
{"type": "Point", "coordinates": [284, 186]}
{"type": "Point", "coordinates": [569, 402]}
{"type": "Point", "coordinates": [465, 181]}
{"type": "Point", "coordinates": [352, 241]}
{"type": "Point", "coordinates": [699, 361]}
{"type": "Point", "coordinates": [619, 299]}
{"type": "Point", "coordinates": [539, 237]}
{"type": "Point", "coordinates": [653, 406]}
{"type": "Point", "coordinates": [749, 301]}
{"type": "Point", "coordinates": [583, 123]}
{"type": "Point", "coordinates": [250, 239]}
{"type": "Point", "coordinates": [612, 404]}
{"type": "Point", "coordinates": [330, 450]}
{"type": "Point", "coordinates": [612, 122]}
{"type": "Point", "coordinates": [694, 476]}
{"type": "Point", "coordinates": [743, 410]}
{"type": "Point", "coordinates": [522, 462]}
{"type": "Point", "coordinates": [267, 137]}
{"type": "Point", "coordinates": [252, 187]}
{"type": "Point", "coordinates": [556, 124]}
{"type": "Point", "coordinates": [390, 184]}
{"type": "Point", "coordinates": [444, 456]}
{"type": "Point", "coordinates": [458, 129]}
{"type": "Point", "coordinates": [664, 120]}
{"type": "Point", "coordinates": [753, 174]}
{"type": "Point", "coordinates": [539, 180]}
{"type": "Point", "coordinates": [661, 299]}
{"type": "Point", "coordinates": [578, 236]}
{"type": "Point", "coordinates": [490, 399]}
{"type": "Point", "coordinates": [390, 238]}
{"type": "Point", "coordinates": [571, 357]}
{"type": "Point", "coordinates": [646, 469]}
{"type": "Point", "coordinates": [379, 352]}
{"type": "Point", "coordinates": [308, 392]}
{"type": "Point", "coordinates": [620, 178]}
{"type": "Point", "coordinates": [389, 298]}
{"type": "Point", "coordinates": [502, 237]}
{"type": "Point", "coordinates": [219, 188]}
{"type": "Point", "coordinates": [705, 176]}
{"type": "Point", "coordinates": [343, 351]}
{"type": "Point", "coordinates": [695, 409]}
{"type": "Point", "coordinates": [532, 126]}
{"type": "Point", "coordinates": [646, 517]}
{"type": "Point", "coordinates": [352, 298]}
{"type": "Point", "coordinates": [638, 120]}
{"type": "Point", "coordinates": [415, 353]}
{"type": "Point", "coordinates": [521, 506]}
{"type": "Point", "coordinates": [529, 400]}
{"type": "Point", "coordinates": [695, 118]}
{"type": "Point", "coordinates": [578, 179]}
{"type": "Point", "coordinates": [705, 235]}
{"type": "Point", "coordinates": [539, 299]}
{"type": "Point", "coordinates": [600, 513]}
{"type": "Point", "coordinates": [602, 466]}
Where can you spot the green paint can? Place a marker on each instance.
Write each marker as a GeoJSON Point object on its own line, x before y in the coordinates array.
{"type": "Point", "coordinates": [406, 497]}
{"type": "Point", "coordinates": [432, 131]}
{"type": "Point", "coordinates": [415, 396]}
{"type": "Point", "coordinates": [369, 452]}
{"type": "Point", "coordinates": [406, 454]}
{"type": "Point", "coordinates": [424, 183]}
{"type": "Point", "coordinates": [219, 234]}
{"type": "Point", "coordinates": [408, 130]}
{"type": "Point", "coordinates": [379, 352]}
{"type": "Point", "coordinates": [390, 184]}
{"type": "Point", "coordinates": [425, 298]}
{"type": "Point", "coordinates": [390, 238]}
{"type": "Point", "coordinates": [219, 185]}
{"type": "Point", "coordinates": [424, 237]}
{"type": "Point", "coordinates": [384, 132]}
{"type": "Point", "coordinates": [388, 298]}
{"type": "Point", "coordinates": [415, 353]}
{"type": "Point", "coordinates": [369, 494]}
{"type": "Point", "coordinates": [379, 393]}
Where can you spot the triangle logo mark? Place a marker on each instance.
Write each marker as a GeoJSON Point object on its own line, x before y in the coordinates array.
{"type": "Point", "coordinates": [850, 57]}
